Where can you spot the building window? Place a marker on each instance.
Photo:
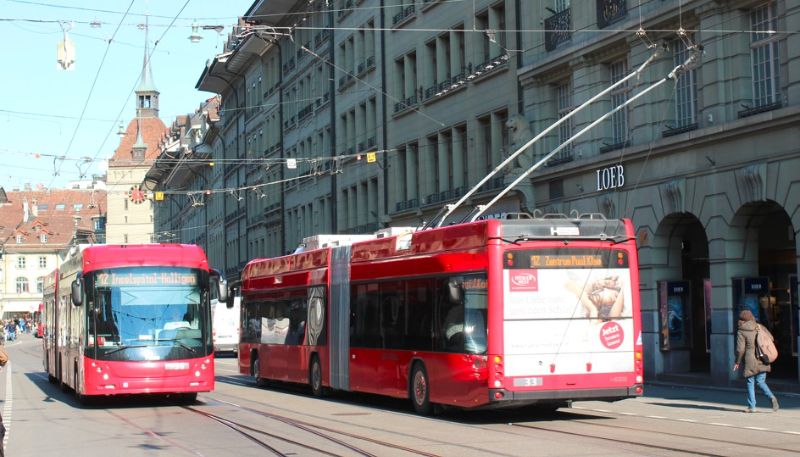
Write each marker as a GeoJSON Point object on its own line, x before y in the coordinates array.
{"type": "Point", "coordinates": [60, 207]}
{"type": "Point", "coordinates": [22, 285]}
{"type": "Point", "coordinates": [619, 120]}
{"type": "Point", "coordinates": [40, 284]}
{"type": "Point", "coordinates": [563, 94]}
{"type": "Point", "coordinates": [19, 239]}
{"type": "Point", "coordinates": [764, 55]}
{"type": "Point", "coordinates": [42, 262]}
{"type": "Point", "coordinates": [43, 238]}
{"type": "Point", "coordinates": [21, 263]}
{"type": "Point", "coordinates": [685, 90]}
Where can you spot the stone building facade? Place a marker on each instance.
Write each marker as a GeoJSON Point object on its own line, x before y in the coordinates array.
{"type": "Point", "coordinates": [706, 166]}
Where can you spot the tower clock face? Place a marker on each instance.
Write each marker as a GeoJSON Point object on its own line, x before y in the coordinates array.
{"type": "Point", "coordinates": [137, 195]}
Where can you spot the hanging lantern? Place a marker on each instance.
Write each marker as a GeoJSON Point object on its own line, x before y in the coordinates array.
{"type": "Point", "coordinates": [195, 37]}
{"type": "Point", "coordinates": [65, 52]}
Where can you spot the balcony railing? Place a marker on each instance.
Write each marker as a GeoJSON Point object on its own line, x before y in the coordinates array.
{"type": "Point", "coordinates": [759, 109]}
{"type": "Point", "coordinates": [557, 29]}
{"type": "Point", "coordinates": [610, 11]}
{"type": "Point", "coordinates": [403, 14]}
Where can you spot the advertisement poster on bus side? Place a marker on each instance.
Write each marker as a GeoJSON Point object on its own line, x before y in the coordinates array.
{"type": "Point", "coordinates": [573, 318]}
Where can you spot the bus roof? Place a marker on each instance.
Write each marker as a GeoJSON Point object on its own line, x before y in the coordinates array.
{"type": "Point", "coordinates": [458, 237]}
{"type": "Point", "coordinates": [101, 256]}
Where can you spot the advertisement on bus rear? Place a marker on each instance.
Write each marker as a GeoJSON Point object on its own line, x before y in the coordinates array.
{"type": "Point", "coordinates": [567, 311]}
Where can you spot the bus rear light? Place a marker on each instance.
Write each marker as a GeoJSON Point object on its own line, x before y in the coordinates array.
{"type": "Point", "coordinates": [498, 395]}
{"type": "Point", "coordinates": [498, 383]}
{"type": "Point", "coordinates": [105, 376]}
{"type": "Point", "coordinates": [498, 360]}
{"type": "Point", "coordinates": [552, 368]}
{"type": "Point", "coordinates": [110, 387]}
{"type": "Point", "coordinates": [479, 362]}
{"type": "Point", "coordinates": [203, 366]}
{"type": "Point", "coordinates": [197, 373]}
{"type": "Point", "coordinates": [588, 366]}
{"type": "Point", "coordinates": [194, 384]}
{"type": "Point", "coordinates": [639, 379]}
{"type": "Point", "coordinates": [639, 389]}
{"type": "Point", "coordinates": [99, 370]}
{"type": "Point", "coordinates": [638, 356]}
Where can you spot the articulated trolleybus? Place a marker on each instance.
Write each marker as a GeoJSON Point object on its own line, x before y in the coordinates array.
{"type": "Point", "coordinates": [131, 319]}
{"type": "Point", "coordinates": [476, 315]}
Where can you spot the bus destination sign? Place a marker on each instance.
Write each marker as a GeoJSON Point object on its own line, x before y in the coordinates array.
{"type": "Point", "coordinates": [161, 278]}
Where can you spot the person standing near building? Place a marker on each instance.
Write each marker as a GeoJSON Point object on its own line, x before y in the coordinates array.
{"type": "Point", "coordinates": [755, 372]}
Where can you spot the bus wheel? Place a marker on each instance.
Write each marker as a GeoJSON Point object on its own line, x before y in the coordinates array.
{"type": "Point", "coordinates": [420, 390]}
{"type": "Point", "coordinates": [78, 396]}
{"type": "Point", "coordinates": [255, 369]}
{"type": "Point", "coordinates": [315, 378]}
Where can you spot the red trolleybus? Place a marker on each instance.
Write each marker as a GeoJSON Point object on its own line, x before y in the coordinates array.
{"type": "Point", "coordinates": [131, 319]}
{"type": "Point", "coordinates": [483, 314]}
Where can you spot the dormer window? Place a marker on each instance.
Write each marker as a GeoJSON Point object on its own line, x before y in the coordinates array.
{"type": "Point", "coordinates": [138, 154]}
{"type": "Point", "coordinates": [19, 239]}
{"type": "Point", "coordinates": [43, 238]}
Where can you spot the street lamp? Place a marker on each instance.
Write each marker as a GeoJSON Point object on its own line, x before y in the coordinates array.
{"type": "Point", "coordinates": [195, 37]}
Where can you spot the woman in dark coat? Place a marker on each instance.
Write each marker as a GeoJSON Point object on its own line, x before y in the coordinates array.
{"type": "Point", "coordinates": [755, 372]}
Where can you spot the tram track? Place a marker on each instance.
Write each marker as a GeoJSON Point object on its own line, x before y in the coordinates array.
{"type": "Point", "coordinates": [324, 432]}
{"type": "Point", "coordinates": [660, 433]}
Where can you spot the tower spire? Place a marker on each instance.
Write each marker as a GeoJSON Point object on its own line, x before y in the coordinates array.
{"type": "Point", "coordinates": [146, 93]}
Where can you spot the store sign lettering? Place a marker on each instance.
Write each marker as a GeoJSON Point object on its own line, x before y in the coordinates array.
{"type": "Point", "coordinates": [610, 177]}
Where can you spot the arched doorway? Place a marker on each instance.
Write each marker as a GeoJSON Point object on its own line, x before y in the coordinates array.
{"type": "Point", "coordinates": [683, 295]}
{"type": "Point", "coordinates": [771, 287]}
{"type": "Point", "coordinates": [777, 263]}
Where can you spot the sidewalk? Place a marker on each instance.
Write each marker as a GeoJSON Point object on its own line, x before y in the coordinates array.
{"type": "Point", "coordinates": [780, 386]}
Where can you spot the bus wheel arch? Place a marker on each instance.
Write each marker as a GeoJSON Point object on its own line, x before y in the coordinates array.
{"type": "Point", "coordinates": [419, 389]}
{"type": "Point", "coordinates": [315, 377]}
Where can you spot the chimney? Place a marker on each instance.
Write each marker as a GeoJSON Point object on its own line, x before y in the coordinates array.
{"type": "Point", "coordinates": [27, 187]}
{"type": "Point", "coordinates": [25, 210]}
{"type": "Point", "coordinates": [35, 208]}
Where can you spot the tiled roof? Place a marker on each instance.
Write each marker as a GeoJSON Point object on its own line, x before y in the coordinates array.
{"type": "Point", "coordinates": [153, 129]}
{"type": "Point", "coordinates": [51, 212]}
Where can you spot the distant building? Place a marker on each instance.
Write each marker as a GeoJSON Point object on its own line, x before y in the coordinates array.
{"type": "Point", "coordinates": [37, 228]}
{"type": "Point", "coordinates": [130, 206]}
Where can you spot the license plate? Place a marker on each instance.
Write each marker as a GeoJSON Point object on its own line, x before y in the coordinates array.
{"type": "Point", "coordinates": [528, 382]}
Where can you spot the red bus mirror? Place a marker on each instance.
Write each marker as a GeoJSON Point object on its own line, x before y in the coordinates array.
{"type": "Point", "coordinates": [77, 300]}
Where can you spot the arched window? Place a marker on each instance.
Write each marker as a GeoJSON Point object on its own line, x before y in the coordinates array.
{"type": "Point", "coordinates": [22, 285]}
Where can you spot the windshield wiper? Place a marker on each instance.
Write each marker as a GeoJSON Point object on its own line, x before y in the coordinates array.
{"type": "Point", "coordinates": [179, 343]}
{"type": "Point", "coordinates": [122, 348]}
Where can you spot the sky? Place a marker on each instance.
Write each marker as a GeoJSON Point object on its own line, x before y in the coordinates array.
{"type": "Point", "coordinates": [57, 125]}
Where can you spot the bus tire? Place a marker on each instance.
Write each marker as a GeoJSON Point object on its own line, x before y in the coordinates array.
{"type": "Point", "coordinates": [78, 396]}
{"type": "Point", "coordinates": [63, 385]}
{"type": "Point", "coordinates": [255, 369]}
{"type": "Point", "coordinates": [419, 390]}
{"type": "Point", "coordinates": [315, 377]}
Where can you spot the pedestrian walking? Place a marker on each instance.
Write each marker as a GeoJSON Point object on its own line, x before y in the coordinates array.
{"type": "Point", "coordinates": [755, 371]}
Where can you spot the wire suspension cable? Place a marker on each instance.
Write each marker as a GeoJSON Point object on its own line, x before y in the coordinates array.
{"type": "Point", "coordinates": [448, 209]}
{"type": "Point", "coordinates": [672, 75]}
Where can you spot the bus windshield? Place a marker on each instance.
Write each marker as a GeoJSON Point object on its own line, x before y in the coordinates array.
{"type": "Point", "coordinates": [147, 313]}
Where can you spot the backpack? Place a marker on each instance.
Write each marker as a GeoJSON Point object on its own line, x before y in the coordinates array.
{"type": "Point", "coordinates": [766, 351]}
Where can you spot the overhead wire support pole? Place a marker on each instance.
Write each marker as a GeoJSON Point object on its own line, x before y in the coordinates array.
{"type": "Point", "coordinates": [437, 221]}
{"type": "Point", "coordinates": [672, 75]}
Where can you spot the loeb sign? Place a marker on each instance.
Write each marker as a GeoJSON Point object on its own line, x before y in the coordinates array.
{"type": "Point", "coordinates": [610, 177]}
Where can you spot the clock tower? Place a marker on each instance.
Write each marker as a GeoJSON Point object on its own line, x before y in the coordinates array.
{"type": "Point", "coordinates": [130, 206]}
